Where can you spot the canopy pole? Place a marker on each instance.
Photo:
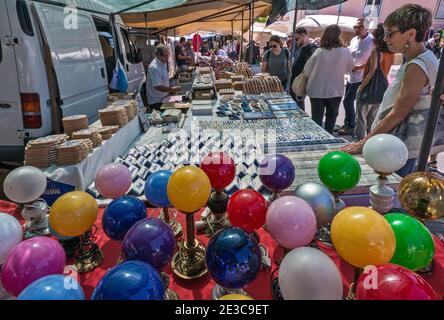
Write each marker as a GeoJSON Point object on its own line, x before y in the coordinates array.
{"type": "Point", "coordinates": [241, 46]}
{"type": "Point", "coordinates": [148, 38]}
{"type": "Point", "coordinates": [293, 40]}
{"type": "Point", "coordinates": [432, 119]}
{"type": "Point", "coordinates": [339, 13]}
{"type": "Point", "coordinates": [232, 31]}
{"type": "Point", "coordinates": [250, 36]}
{"type": "Point", "coordinates": [112, 18]}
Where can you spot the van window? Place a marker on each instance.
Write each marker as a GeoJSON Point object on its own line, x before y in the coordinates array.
{"type": "Point", "coordinates": [130, 49]}
{"type": "Point", "coordinates": [23, 15]}
{"type": "Point", "coordinates": [75, 44]}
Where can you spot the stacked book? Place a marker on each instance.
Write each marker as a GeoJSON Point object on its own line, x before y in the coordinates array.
{"type": "Point", "coordinates": [113, 115]}
{"type": "Point", "coordinates": [72, 152]}
{"type": "Point", "coordinates": [91, 134]}
{"type": "Point", "coordinates": [41, 153]}
{"type": "Point", "coordinates": [105, 132]}
{"type": "Point", "coordinates": [75, 123]}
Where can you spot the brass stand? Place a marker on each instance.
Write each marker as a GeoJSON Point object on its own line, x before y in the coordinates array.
{"type": "Point", "coordinates": [219, 291]}
{"type": "Point", "coordinates": [274, 196]}
{"type": "Point", "coordinates": [189, 261]}
{"type": "Point", "coordinates": [169, 294]}
{"type": "Point", "coordinates": [323, 233]}
{"type": "Point", "coordinates": [339, 203]}
{"type": "Point", "coordinates": [275, 290]}
{"type": "Point", "coordinates": [36, 216]}
{"type": "Point", "coordinates": [265, 260]}
{"type": "Point", "coordinates": [214, 218]}
{"type": "Point", "coordinates": [70, 246]}
{"type": "Point", "coordinates": [88, 255]}
{"type": "Point", "coordinates": [352, 291]}
{"type": "Point", "coordinates": [172, 222]}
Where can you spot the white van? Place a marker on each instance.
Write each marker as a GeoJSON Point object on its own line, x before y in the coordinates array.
{"type": "Point", "coordinates": [48, 71]}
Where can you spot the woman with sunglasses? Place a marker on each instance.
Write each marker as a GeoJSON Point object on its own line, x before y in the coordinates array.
{"type": "Point", "coordinates": [405, 106]}
{"type": "Point", "coordinates": [276, 60]}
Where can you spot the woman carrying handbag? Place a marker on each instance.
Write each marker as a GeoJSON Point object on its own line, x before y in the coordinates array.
{"type": "Point", "coordinates": [372, 89]}
{"type": "Point", "coordinates": [324, 73]}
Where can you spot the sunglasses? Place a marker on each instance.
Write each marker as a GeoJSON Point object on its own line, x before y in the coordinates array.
{"type": "Point", "coordinates": [390, 34]}
{"type": "Point", "coordinates": [358, 27]}
{"type": "Point", "coordinates": [274, 46]}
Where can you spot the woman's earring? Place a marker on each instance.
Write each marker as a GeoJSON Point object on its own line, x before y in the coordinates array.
{"type": "Point", "coordinates": [406, 47]}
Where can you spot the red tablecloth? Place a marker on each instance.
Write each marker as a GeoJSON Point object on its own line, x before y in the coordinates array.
{"type": "Point", "coordinates": [260, 288]}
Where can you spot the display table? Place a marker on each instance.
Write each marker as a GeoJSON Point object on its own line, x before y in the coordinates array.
{"type": "Point", "coordinates": [81, 175]}
{"type": "Point", "coordinates": [198, 289]}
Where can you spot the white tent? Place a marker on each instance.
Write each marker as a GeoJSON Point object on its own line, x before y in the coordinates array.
{"type": "Point", "coordinates": [316, 24]}
{"type": "Point", "coordinates": [320, 22]}
{"type": "Point", "coordinates": [263, 34]}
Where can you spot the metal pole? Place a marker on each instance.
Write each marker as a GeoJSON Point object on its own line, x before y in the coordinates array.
{"type": "Point", "coordinates": [241, 47]}
{"type": "Point", "coordinates": [232, 39]}
{"type": "Point", "coordinates": [432, 120]}
{"type": "Point", "coordinates": [112, 18]}
{"type": "Point", "coordinates": [190, 230]}
{"type": "Point", "coordinates": [339, 13]}
{"type": "Point", "coordinates": [148, 38]}
{"type": "Point", "coordinates": [293, 40]}
{"type": "Point", "coordinates": [250, 36]}
{"type": "Point", "coordinates": [232, 31]}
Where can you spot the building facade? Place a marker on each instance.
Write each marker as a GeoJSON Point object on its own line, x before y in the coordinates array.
{"type": "Point", "coordinates": [377, 10]}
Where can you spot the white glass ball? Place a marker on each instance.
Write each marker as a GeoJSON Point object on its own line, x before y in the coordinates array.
{"type": "Point", "coordinates": [385, 153]}
{"type": "Point", "coordinates": [25, 184]}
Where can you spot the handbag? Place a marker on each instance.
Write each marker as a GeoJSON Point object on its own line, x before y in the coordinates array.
{"type": "Point", "coordinates": [119, 80]}
{"type": "Point", "coordinates": [374, 92]}
{"type": "Point", "coordinates": [299, 85]}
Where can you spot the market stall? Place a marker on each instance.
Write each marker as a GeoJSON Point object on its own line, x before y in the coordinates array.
{"type": "Point", "coordinates": [210, 163]}
{"type": "Point", "coordinates": [204, 200]}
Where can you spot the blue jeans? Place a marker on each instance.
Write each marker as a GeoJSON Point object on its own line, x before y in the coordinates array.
{"type": "Point", "coordinates": [349, 104]}
{"type": "Point", "coordinates": [408, 168]}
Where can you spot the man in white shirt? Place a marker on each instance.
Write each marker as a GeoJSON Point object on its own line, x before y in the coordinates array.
{"type": "Point", "coordinates": [361, 48]}
{"type": "Point", "coordinates": [158, 84]}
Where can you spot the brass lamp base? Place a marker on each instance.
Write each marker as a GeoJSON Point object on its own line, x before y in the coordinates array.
{"type": "Point", "coordinates": [214, 218]}
{"type": "Point", "coordinates": [36, 228]}
{"type": "Point", "coordinates": [172, 222]}
{"type": "Point", "coordinates": [169, 294]}
{"type": "Point", "coordinates": [210, 223]}
{"type": "Point", "coordinates": [89, 256]}
{"type": "Point", "coordinates": [219, 291]}
{"type": "Point", "coordinates": [36, 217]}
{"type": "Point", "coordinates": [323, 234]}
{"type": "Point", "coordinates": [275, 290]}
{"type": "Point", "coordinates": [189, 262]}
